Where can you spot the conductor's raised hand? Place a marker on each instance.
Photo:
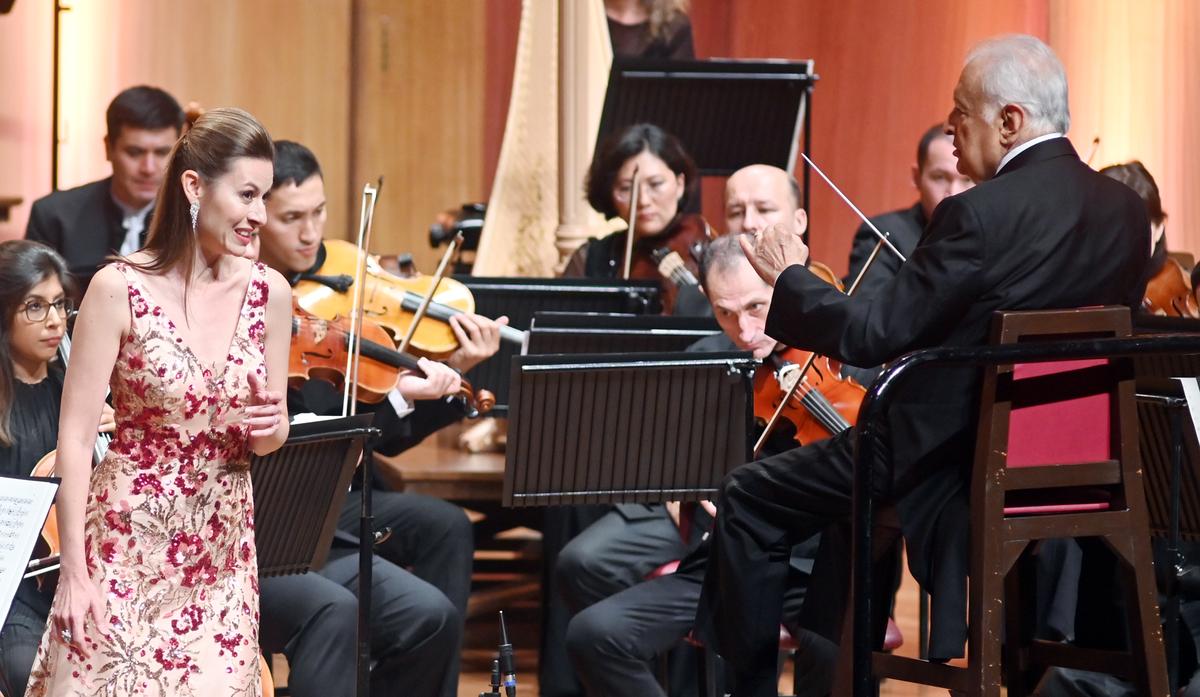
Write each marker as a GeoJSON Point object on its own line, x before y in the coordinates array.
{"type": "Point", "coordinates": [775, 249]}
{"type": "Point", "coordinates": [265, 411]}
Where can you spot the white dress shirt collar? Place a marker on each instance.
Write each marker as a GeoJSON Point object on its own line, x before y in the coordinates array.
{"type": "Point", "coordinates": [1008, 157]}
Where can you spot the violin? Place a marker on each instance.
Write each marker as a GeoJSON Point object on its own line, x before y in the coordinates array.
{"type": "Point", "coordinates": [672, 257]}
{"type": "Point", "coordinates": [388, 300]}
{"type": "Point", "coordinates": [824, 404]}
{"type": "Point", "coordinates": [319, 351]}
{"type": "Point", "coordinates": [1169, 292]}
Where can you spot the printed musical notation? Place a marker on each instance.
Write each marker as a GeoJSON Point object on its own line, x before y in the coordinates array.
{"type": "Point", "coordinates": [24, 503]}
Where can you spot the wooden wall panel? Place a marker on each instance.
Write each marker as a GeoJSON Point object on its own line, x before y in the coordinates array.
{"type": "Point", "coordinates": [1134, 73]}
{"type": "Point", "coordinates": [25, 77]}
{"type": "Point", "coordinates": [419, 118]}
{"type": "Point", "coordinates": [887, 72]}
{"type": "Point", "coordinates": [287, 63]}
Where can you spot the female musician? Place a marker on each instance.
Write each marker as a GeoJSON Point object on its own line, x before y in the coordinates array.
{"type": "Point", "coordinates": [1168, 285]}
{"type": "Point", "coordinates": [158, 588]}
{"type": "Point", "coordinates": [668, 180]}
{"type": "Point", "coordinates": [650, 29]}
{"type": "Point", "coordinates": [34, 304]}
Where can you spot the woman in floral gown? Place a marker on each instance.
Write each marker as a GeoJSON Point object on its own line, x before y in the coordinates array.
{"type": "Point", "coordinates": [158, 593]}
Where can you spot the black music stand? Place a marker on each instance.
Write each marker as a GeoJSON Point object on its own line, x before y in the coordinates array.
{"type": "Point", "coordinates": [298, 495]}
{"type": "Point", "coordinates": [634, 428]}
{"type": "Point", "coordinates": [593, 332]}
{"type": "Point", "coordinates": [765, 103]}
{"type": "Point", "coordinates": [520, 298]}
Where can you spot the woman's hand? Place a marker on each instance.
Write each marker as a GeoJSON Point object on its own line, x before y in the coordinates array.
{"type": "Point", "coordinates": [108, 420]}
{"type": "Point", "coordinates": [439, 381]}
{"type": "Point", "coordinates": [76, 598]}
{"type": "Point", "coordinates": [264, 412]}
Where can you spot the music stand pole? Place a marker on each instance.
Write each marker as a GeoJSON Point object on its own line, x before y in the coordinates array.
{"type": "Point", "coordinates": [366, 543]}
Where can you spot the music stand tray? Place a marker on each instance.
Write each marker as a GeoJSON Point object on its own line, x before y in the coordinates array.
{"type": "Point", "coordinates": [593, 332]}
{"type": "Point", "coordinates": [626, 428]}
{"type": "Point", "coordinates": [299, 490]}
{"type": "Point", "coordinates": [520, 298]}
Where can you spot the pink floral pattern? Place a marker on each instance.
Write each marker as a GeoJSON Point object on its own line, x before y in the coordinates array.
{"type": "Point", "coordinates": [169, 527]}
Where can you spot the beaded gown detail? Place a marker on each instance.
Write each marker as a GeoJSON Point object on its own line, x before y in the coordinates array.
{"type": "Point", "coordinates": [169, 521]}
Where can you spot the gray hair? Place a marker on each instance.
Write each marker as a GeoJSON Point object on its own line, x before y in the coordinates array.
{"type": "Point", "coordinates": [722, 254]}
{"type": "Point", "coordinates": [1020, 69]}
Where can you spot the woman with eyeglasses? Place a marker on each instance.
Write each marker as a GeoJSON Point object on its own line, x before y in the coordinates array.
{"type": "Point", "coordinates": [34, 305]}
{"type": "Point", "coordinates": [667, 179]}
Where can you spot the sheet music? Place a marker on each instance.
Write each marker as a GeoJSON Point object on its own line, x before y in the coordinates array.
{"type": "Point", "coordinates": [24, 503]}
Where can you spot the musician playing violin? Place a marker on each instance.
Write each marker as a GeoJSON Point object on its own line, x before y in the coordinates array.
{"type": "Point", "coordinates": [35, 300]}
{"type": "Point", "coordinates": [623, 622]}
{"type": "Point", "coordinates": [667, 181]}
{"type": "Point", "coordinates": [417, 616]}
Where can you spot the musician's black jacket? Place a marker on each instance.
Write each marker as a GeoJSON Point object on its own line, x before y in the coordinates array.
{"type": "Point", "coordinates": [1046, 232]}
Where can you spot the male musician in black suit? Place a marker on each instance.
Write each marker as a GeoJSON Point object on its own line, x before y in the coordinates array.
{"type": "Point", "coordinates": [90, 222]}
{"type": "Point", "coordinates": [935, 177]}
{"type": "Point", "coordinates": [612, 642]}
{"type": "Point", "coordinates": [422, 572]}
{"type": "Point", "coordinates": [1039, 230]}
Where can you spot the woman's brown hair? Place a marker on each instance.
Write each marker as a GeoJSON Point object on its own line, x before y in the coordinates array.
{"type": "Point", "coordinates": [209, 147]}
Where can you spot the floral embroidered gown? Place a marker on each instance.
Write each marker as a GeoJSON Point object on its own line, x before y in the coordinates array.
{"type": "Point", "coordinates": [169, 524]}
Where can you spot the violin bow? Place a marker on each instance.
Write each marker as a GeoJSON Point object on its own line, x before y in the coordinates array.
{"type": "Point", "coordinates": [633, 204]}
{"type": "Point", "coordinates": [370, 196]}
{"type": "Point", "coordinates": [881, 242]}
{"type": "Point", "coordinates": [428, 298]}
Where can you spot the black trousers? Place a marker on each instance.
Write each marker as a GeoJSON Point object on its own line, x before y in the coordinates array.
{"type": "Point", "coordinates": [765, 507]}
{"type": "Point", "coordinates": [416, 616]}
{"type": "Point", "coordinates": [613, 642]}
{"type": "Point", "coordinates": [19, 641]}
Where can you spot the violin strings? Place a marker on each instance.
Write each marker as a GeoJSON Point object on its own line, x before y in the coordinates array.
{"type": "Point", "coordinates": [820, 407]}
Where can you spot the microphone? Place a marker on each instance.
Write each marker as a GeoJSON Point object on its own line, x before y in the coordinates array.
{"type": "Point", "coordinates": [507, 665]}
{"type": "Point", "coordinates": [495, 691]}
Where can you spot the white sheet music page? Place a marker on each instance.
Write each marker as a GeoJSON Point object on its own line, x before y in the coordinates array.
{"type": "Point", "coordinates": [24, 503]}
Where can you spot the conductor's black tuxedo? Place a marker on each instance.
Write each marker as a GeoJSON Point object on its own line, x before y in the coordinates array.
{"type": "Point", "coordinates": [82, 224]}
{"type": "Point", "coordinates": [1045, 232]}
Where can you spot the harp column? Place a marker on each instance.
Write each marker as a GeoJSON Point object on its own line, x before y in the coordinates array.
{"type": "Point", "coordinates": [584, 59]}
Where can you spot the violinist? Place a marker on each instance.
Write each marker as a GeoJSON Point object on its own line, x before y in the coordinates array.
{"type": "Point", "coordinates": [935, 177]}
{"type": "Point", "coordinates": [667, 182]}
{"type": "Point", "coordinates": [418, 614]}
{"type": "Point", "coordinates": [34, 304]}
{"type": "Point", "coordinates": [613, 640]}
{"type": "Point", "coordinates": [1168, 285]}
{"type": "Point", "coordinates": [1039, 230]}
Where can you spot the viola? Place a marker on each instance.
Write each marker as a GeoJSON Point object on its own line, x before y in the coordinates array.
{"type": "Point", "coordinates": [824, 404]}
{"type": "Point", "coordinates": [1169, 292]}
{"type": "Point", "coordinates": [319, 350]}
{"type": "Point", "coordinates": [672, 257]}
{"type": "Point", "coordinates": [388, 300]}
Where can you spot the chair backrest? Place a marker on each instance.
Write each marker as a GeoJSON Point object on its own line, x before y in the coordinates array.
{"type": "Point", "coordinates": [1057, 436]}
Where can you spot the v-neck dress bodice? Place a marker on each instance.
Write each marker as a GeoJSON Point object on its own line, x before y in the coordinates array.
{"type": "Point", "coordinates": [169, 526]}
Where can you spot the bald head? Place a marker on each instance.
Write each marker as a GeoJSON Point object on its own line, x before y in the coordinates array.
{"type": "Point", "coordinates": [758, 196]}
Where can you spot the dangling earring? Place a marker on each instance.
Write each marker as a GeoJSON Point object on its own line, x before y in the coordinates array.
{"type": "Point", "coordinates": [195, 213]}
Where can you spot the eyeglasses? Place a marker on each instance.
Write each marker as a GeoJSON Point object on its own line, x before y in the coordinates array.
{"type": "Point", "coordinates": [39, 310]}
{"type": "Point", "coordinates": [651, 188]}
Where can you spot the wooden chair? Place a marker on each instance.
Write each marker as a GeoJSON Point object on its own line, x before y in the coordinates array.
{"type": "Point", "coordinates": [1056, 457]}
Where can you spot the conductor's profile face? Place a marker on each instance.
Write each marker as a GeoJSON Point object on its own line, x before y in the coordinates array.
{"type": "Point", "coordinates": [975, 127]}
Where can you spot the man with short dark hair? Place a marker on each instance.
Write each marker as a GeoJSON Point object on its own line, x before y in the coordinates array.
{"type": "Point", "coordinates": [422, 572]}
{"type": "Point", "coordinates": [89, 223]}
{"type": "Point", "coordinates": [935, 177]}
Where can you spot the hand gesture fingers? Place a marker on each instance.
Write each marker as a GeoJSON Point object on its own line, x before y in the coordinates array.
{"type": "Point", "coordinates": [108, 421]}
